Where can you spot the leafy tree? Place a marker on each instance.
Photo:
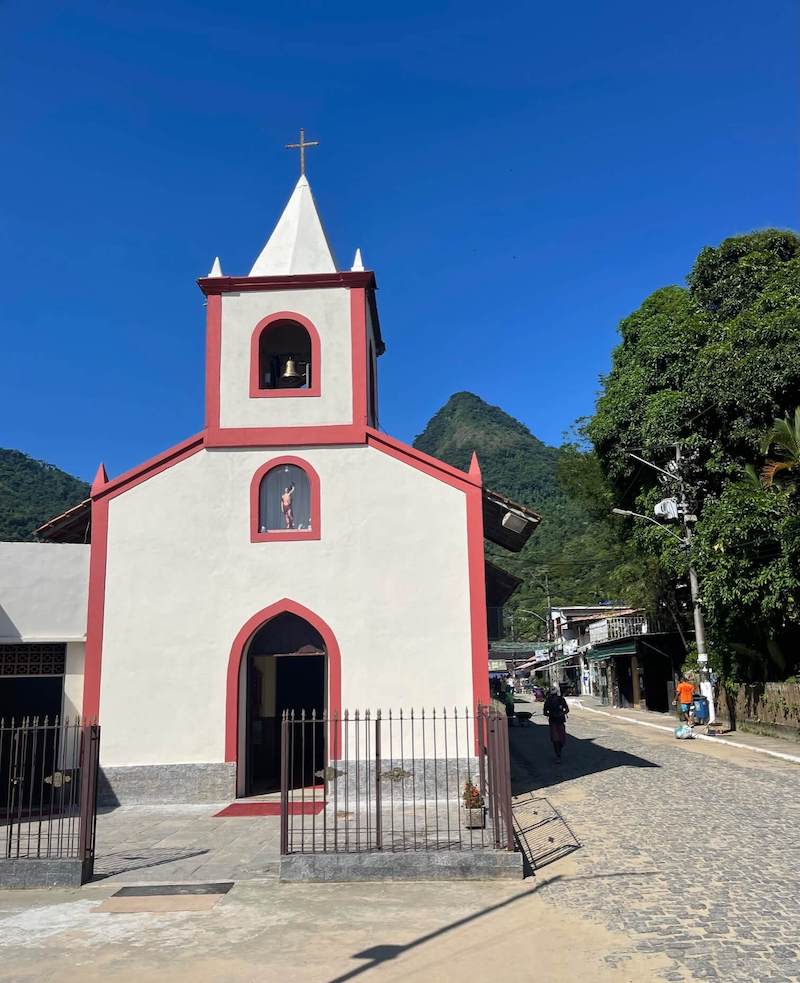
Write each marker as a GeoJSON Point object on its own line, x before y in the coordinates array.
{"type": "Point", "coordinates": [709, 369]}
{"type": "Point", "coordinates": [747, 554]}
{"type": "Point", "coordinates": [785, 437]}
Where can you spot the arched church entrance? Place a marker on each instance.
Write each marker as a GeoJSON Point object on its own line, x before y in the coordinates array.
{"type": "Point", "coordinates": [284, 669]}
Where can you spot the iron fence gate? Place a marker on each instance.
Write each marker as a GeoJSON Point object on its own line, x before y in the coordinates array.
{"type": "Point", "coordinates": [395, 781]}
{"type": "Point", "coordinates": [48, 789]}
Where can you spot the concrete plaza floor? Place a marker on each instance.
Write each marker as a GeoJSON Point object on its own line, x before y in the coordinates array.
{"type": "Point", "coordinates": [144, 844]}
{"type": "Point", "coordinates": [686, 871]}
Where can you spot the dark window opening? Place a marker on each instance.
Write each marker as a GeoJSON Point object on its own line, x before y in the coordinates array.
{"type": "Point", "coordinates": [284, 356]}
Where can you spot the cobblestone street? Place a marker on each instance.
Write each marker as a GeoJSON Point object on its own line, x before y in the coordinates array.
{"type": "Point", "coordinates": [690, 850]}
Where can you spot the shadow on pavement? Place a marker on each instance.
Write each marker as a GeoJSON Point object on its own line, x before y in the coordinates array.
{"type": "Point", "coordinates": [378, 954]}
{"type": "Point", "coordinates": [534, 766]}
{"type": "Point", "coordinates": [543, 835]}
{"type": "Point", "coordinates": [109, 864]}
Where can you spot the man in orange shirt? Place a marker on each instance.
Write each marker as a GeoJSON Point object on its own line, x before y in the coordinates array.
{"type": "Point", "coordinates": [684, 697]}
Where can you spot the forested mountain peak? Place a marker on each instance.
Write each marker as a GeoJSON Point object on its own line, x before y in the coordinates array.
{"type": "Point", "coordinates": [570, 550]}
{"type": "Point", "coordinates": [513, 461]}
{"type": "Point", "coordinates": [31, 492]}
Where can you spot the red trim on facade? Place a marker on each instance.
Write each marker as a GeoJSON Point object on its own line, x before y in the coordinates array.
{"type": "Point", "coordinates": [473, 488]}
{"type": "Point", "coordinates": [334, 433]}
{"type": "Point", "coordinates": [95, 617]}
{"type": "Point", "coordinates": [419, 460]}
{"type": "Point", "coordinates": [95, 609]}
{"type": "Point", "coordinates": [213, 359]}
{"type": "Point", "coordinates": [235, 659]}
{"type": "Point", "coordinates": [297, 281]}
{"type": "Point", "coordinates": [477, 600]}
{"type": "Point", "coordinates": [155, 465]}
{"type": "Point", "coordinates": [286, 436]}
{"type": "Point", "coordinates": [256, 392]}
{"type": "Point", "coordinates": [292, 534]}
{"type": "Point", "coordinates": [358, 348]}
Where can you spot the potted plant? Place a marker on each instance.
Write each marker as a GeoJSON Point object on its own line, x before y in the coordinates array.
{"type": "Point", "coordinates": [474, 811]}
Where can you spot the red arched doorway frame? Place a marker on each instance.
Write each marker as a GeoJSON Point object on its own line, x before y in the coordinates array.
{"type": "Point", "coordinates": [244, 635]}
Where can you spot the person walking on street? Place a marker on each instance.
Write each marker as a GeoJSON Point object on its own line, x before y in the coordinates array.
{"type": "Point", "coordinates": [684, 697]}
{"type": "Point", "coordinates": [555, 709]}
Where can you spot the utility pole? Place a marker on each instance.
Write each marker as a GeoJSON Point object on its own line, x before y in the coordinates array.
{"type": "Point", "coordinates": [553, 670]}
{"type": "Point", "coordinates": [697, 609]}
{"type": "Point", "coordinates": [549, 603]}
{"type": "Point", "coordinates": [694, 587]}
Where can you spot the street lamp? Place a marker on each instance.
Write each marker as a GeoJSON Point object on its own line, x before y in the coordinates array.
{"type": "Point", "coordinates": [528, 611]}
{"type": "Point", "coordinates": [640, 515]}
{"type": "Point", "coordinates": [686, 540]}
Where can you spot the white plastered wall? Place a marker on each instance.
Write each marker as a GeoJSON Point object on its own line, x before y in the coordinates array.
{"type": "Point", "coordinates": [43, 592]}
{"type": "Point", "coordinates": [73, 680]}
{"type": "Point", "coordinates": [329, 311]}
{"type": "Point", "coordinates": [389, 576]}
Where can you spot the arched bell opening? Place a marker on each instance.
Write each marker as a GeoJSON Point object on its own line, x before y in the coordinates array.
{"type": "Point", "coordinates": [285, 356]}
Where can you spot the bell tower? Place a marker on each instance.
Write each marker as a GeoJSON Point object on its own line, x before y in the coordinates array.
{"type": "Point", "coordinates": [292, 348]}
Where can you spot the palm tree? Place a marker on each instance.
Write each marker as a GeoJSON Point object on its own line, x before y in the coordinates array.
{"type": "Point", "coordinates": [785, 436]}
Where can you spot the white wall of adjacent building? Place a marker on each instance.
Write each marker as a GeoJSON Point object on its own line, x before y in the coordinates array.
{"type": "Point", "coordinates": [43, 598]}
{"type": "Point", "coordinates": [389, 576]}
{"type": "Point", "coordinates": [43, 592]}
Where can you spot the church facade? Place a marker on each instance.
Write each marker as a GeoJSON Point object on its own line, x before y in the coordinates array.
{"type": "Point", "coordinates": [290, 556]}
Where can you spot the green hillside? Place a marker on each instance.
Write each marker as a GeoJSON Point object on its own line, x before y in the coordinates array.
{"type": "Point", "coordinates": [571, 545]}
{"type": "Point", "coordinates": [31, 492]}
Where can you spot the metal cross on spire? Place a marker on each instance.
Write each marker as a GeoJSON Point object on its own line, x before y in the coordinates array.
{"type": "Point", "coordinates": [302, 148]}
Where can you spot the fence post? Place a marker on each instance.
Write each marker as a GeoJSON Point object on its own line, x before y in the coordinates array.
{"type": "Point", "coordinates": [507, 802]}
{"type": "Point", "coordinates": [284, 785]}
{"type": "Point", "coordinates": [88, 763]}
{"type": "Point", "coordinates": [494, 776]}
{"type": "Point", "coordinates": [480, 725]}
{"type": "Point", "coordinates": [378, 819]}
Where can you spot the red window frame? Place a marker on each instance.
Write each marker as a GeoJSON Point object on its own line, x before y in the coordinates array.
{"type": "Point", "coordinates": [315, 389]}
{"type": "Point", "coordinates": [255, 494]}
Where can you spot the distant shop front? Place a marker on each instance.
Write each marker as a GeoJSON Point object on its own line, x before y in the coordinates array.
{"type": "Point", "coordinates": [638, 672]}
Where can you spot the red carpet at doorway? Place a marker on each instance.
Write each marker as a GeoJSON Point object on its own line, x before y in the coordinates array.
{"type": "Point", "coordinates": [270, 809]}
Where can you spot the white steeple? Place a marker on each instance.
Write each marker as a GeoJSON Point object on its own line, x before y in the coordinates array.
{"type": "Point", "coordinates": [216, 269]}
{"type": "Point", "coordinates": [358, 263]}
{"type": "Point", "coordinates": [298, 244]}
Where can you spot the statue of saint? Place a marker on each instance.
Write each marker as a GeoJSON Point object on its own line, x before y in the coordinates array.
{"type": "Point", "coordinates": [286, 507]}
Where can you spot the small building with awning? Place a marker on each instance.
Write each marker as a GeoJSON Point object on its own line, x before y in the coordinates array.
{"type": "Point", "coordinates": [638, 670]}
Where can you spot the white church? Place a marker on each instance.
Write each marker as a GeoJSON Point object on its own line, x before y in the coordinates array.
{"type": "Point", "coordinates": [291, 555]}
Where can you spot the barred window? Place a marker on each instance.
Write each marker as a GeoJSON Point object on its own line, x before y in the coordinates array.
{"type": "Point", "coordinates": [33, 660]}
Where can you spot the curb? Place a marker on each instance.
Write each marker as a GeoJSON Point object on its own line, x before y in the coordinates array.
{"type": "Point", "coordinates": [697, 737]}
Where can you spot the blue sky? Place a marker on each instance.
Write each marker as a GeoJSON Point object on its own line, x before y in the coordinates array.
{"type": "Point", "coordinates": [520, 176]}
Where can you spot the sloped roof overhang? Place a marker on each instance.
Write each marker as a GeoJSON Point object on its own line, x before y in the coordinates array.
{"type": "Point", "coordinates": [72, 526]}
{"type": "Point", "coordinates": [507, 523]}
{"type": "Point", "coordinates": [500, 584]}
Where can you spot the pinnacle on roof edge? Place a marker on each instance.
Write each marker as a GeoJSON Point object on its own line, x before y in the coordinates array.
{"type": "Point", "coordinates": [100, 479]}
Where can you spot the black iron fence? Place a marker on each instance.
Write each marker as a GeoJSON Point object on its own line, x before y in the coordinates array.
{"type": "Point", "coordinates": [395, 781]}
{"type": "Point", "coordinates": [48, 789]}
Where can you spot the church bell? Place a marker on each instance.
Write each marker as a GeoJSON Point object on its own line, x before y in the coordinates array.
{"type": "Point", "coordinates": [290, 375]}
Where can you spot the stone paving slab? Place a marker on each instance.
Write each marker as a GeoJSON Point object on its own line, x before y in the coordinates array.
{"type": "Point", "coordinates": [170, 842]}
{"type": "Point", "coordinates": [690, 851]}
